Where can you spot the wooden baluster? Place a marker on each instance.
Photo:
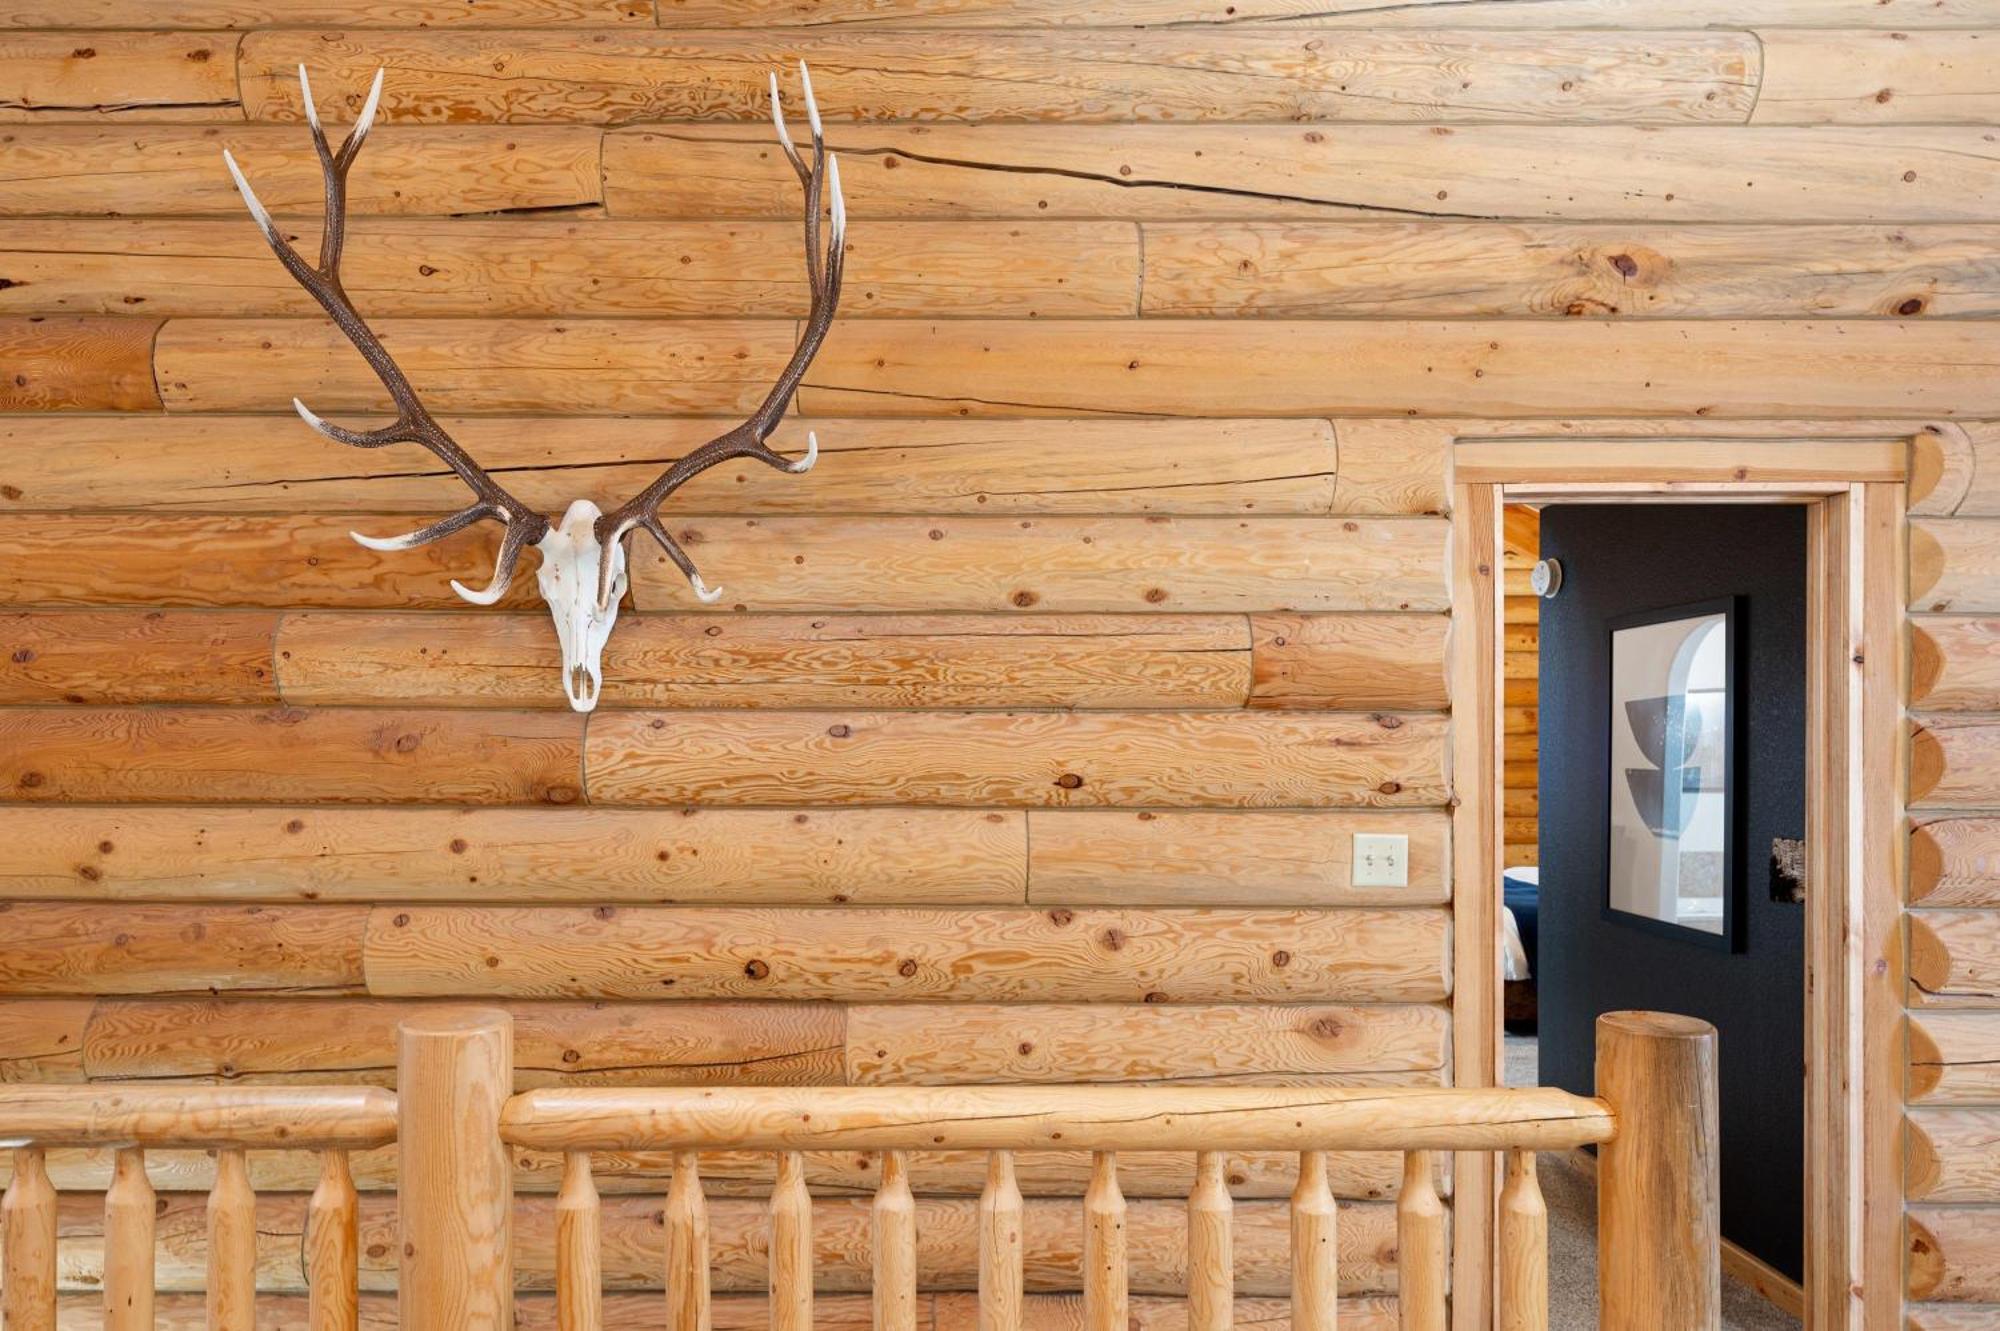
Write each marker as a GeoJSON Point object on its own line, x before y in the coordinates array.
{"type": "Point", "coordinates": [1315, 1248]}
{"type": "Point", "coordinates": [333, 1248]}
{"type": "Point", "coordinates": [895, 1217]}
{"type": "Point", "coordinates": [1211, 1251]}
{"type": "Point", "coordinates": [30, 1235]}
{"type": "Point", "coordinates": [791, 1246]}
{"type": "Point", "coordinates": [1524, 1248]}
{"type": "Point", "coordinates": [1106, 1303]}
{"type": "Point", "coordinates": [687, 1247]}
{"type": "Point", "coordinates": [579, 1225]}
{"type": "Point", "coordinates": [128, 1244]}
{"type": "Point", "coordinates": [1420, 1246]}
{"type": "Point", "coordinates": [1002, 1230]}
{"type": "Point", "coordinates": [232, 1245]}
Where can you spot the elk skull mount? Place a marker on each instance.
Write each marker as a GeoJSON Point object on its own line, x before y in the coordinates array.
{"type": "Point", "coordinates": [582, 574]}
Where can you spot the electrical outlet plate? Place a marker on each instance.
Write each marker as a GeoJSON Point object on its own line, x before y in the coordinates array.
{"type": "Point", "coordinates": [1380, 860]}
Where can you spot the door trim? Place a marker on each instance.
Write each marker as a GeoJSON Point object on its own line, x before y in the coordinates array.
{"type": "Point", "coordinates": [1857, 494]}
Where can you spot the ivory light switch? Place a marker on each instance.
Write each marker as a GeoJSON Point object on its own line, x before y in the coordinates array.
{"type": "Point", "coordinates": [1380, 860]}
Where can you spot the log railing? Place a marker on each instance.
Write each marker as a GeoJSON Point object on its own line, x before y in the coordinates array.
{"type": "Point", "coordinates": [1654, 1121]}
{"type": "Point", "coordinates": [230, 1122]}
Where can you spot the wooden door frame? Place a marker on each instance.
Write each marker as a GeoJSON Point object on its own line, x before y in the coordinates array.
{"type": "Point", "coordinates": [1856, 491]}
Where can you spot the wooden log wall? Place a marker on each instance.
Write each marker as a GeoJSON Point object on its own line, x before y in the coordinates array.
{"type": "Point", "coordinates": [1031, 738]}
{"type": "Point", "coordinates": [1520, 673]}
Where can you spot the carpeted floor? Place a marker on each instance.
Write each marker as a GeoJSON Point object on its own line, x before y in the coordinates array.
{"type": "Point", "coordinates": [1571, 1192]}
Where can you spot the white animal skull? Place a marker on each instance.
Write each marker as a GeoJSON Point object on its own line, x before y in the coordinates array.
{"type": "Point", "coordinates": [582, 575]}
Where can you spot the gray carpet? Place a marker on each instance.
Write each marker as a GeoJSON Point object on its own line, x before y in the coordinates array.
{"type": "Point", "coordinates": [1570, 1189]}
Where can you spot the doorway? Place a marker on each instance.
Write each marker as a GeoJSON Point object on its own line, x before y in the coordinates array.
{"type": "Point", "coordinates": [1851, 494]}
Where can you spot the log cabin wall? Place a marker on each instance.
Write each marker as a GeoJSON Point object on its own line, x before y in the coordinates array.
{"type": "Point", "coordinates": [1029, 739]}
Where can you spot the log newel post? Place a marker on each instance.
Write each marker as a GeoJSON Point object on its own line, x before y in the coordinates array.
{"type": "Point", "coordinates": [1659, 1239]}
{"type": "Point", "coordinates": [454, 1190]}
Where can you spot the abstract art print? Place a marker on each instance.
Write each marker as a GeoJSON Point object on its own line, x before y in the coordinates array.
{"type": "Point", "coordinates": [1671, 779]}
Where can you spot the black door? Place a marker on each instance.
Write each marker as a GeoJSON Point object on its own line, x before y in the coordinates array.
{"type": "Point", "coordinates": [1623, 565]}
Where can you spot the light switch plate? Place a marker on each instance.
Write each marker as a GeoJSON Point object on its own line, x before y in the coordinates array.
{"type": "Point", "coordinates": [1380, 860]}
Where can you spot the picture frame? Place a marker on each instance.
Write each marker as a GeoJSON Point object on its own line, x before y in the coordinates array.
{"type": "Point", "coordinates": [1671, 808]}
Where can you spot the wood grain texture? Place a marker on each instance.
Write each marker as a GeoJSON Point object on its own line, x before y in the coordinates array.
{"type": "Point", "coordinates": [218, 755]}
{"type": "Point", "coordinates": [1955, 663]}
{"type": "Point", "coordinates": [1954, 564]}
{"type": "Point", "coordinates": [78, 363]}
{"type": "Point", "coordinates": [1953, 1253]}
{"type": "Point", "coordinates": [60, 948]}
{"type": "Point", "coordinates": [773, 661]}
{"type": "Point", "coordinates": [1200, 17]}
{"type": "Point", "coordinates": [51, 77]}
{"type": "Point", "coordinates": [1053, 565]}
{"type": "Point", "coordinates": [1249, 74]}
{"type": "Point", "coordinates": [1185, 759]}
{"type": "Point", "coordinates": [315, 13]}
{"type": "Point", "coordinates": [1316, 662]}
{"type": "Point", "coordinates": [136, 656]}
{"type": "Point", "coordinates": [1194, 857]}
{"type": "Point", "coordinates": [948, 1044]}
{"type": "Point", "coordinates": [1952, 1155]}
{"type": "Point", "coordinates": [353, 1042]}
{"type": "Point", "coordinates": [41, 1039]}
{"type": "Point", "coordinates": [1954, 958]}
{"type": "Point", "coordinates": [176, 171]}
{"type": "Point", "coordinates": [1453, 270]}
{"type": "Point", "coordinates": [746, 856]}
{"type": "Point", "coordinates": [1154, 172]}
{"type": "Point", "coordinates": [1001, 956]}
{"type": "Point", "coordinates": [1876, 78]}
{"type": "Point", "coordinates": [462, 266]}
{"type": "Point", "coordinates": [1951, 1058]}
{"type": "Point", "coordinates": [1954, 761]}
{"type": "Point", "coordinates": [224, 464]}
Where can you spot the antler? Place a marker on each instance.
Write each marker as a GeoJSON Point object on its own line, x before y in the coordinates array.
{"type": "Point", "coordinates": [748, 439]}
{"type": "Point", "coordinates": [413, 423]}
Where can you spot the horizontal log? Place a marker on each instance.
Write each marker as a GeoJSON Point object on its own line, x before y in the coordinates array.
{"type": "Point", "coordinates": [279, 755]}
{"type": "Point", "coordinates": [993, 955]}
{"type": "Point", "coordinates": [1955, 762]}
{"type": "Point", "coordinates": [1064, 1312]}
{"type": "Point", "coordinates": [1027, 1118]}
{"type": "Point", "coordinates": [223, 464]}
{"type": "Point", "coordinates": [1953, 1253]}
{"type": "Point", "coordinates": [1954, 564]}
{"type": "Point", "coordinates": [1875, 78]}
{"type": "Point", "coordinates": [1056, 564]}
{"type": "Point", "coordinates": [1954, 958]}
{"type": "Point", "coordinates": [1955, 663]}
{"type": "Point", "coordinates": [1175, 759]}
{"type": "Point", "coordinates": [1952, 1155]}
{"type": "Point", "coordinates": [51, 77]}
{"type": "Point", "coordinates": [41, 1039]}
{"type": "Point", "coordinates": [1953, 1058]}
{"type": "Point", "coordinates": [66, 948]}
{"type": "Point", "coordinates": [258, 1118]}
{"type": "Point", "coordinates": [353, 1042]}
{"type": "Point", "coordinates": [872, 857]}
{"type": "Point", "coordinates": [1360, 1175]}
{"type": "Point", "coordinates": [1955, 862]}
{"type": "Point", "coordinates": [1455, 270]}
{"type": "Point", "coordinates": [1246, 74]}
{"type": "Point", "coordinates": [1348, 661]}
{"type": "Point", "coordinates": [1163, 367]}
{"type": "Point", "coordinates": [1202, 367]}
{"type": "Point", "coordinates": [1392, 465]}
{"type": "Point", "coordinates": [1955, 470]}
{"type": "Point", "coordinates": [140, 170]}
{"type": "Point", "coordinates": [1950, 1316]}
{"type": "Point", "coordinates": [766, 661]}
{"type": "Point", "coordinates": [1205, 16]}
{"type": "Point", "coordinates": [436, 267]}
{"type": "Point", "coordinates": [78, 363]}
{"type": "Point", "coordinates": [953, 1044]}
{"type": "Point", "coordinates": [1148, 172]}
{"type": "Point", "coordinates": [136, 656]}
{"type": "Point", "coordinates": [1193, 857]}
{"type": "Point", "coordinates": [321, 13]}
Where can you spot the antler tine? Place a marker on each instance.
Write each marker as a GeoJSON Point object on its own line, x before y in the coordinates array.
{"type": "Point", "coordinates": [821, 180]}
{"type": "Point", "coordinates": [413, 424]}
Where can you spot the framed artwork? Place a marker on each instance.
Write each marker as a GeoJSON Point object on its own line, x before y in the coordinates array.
{"type": "Point", "coordinates": [1672, 773]}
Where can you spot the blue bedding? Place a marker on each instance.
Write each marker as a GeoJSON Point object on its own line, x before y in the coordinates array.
{"type": "Point", "coordinates": [1520, 892]}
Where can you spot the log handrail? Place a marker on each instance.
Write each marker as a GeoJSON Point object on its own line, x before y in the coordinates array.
{"type": "Point", "coordinates": [1053, 1118]}
{"type": "Point", "coordinates": [266, 1118]}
